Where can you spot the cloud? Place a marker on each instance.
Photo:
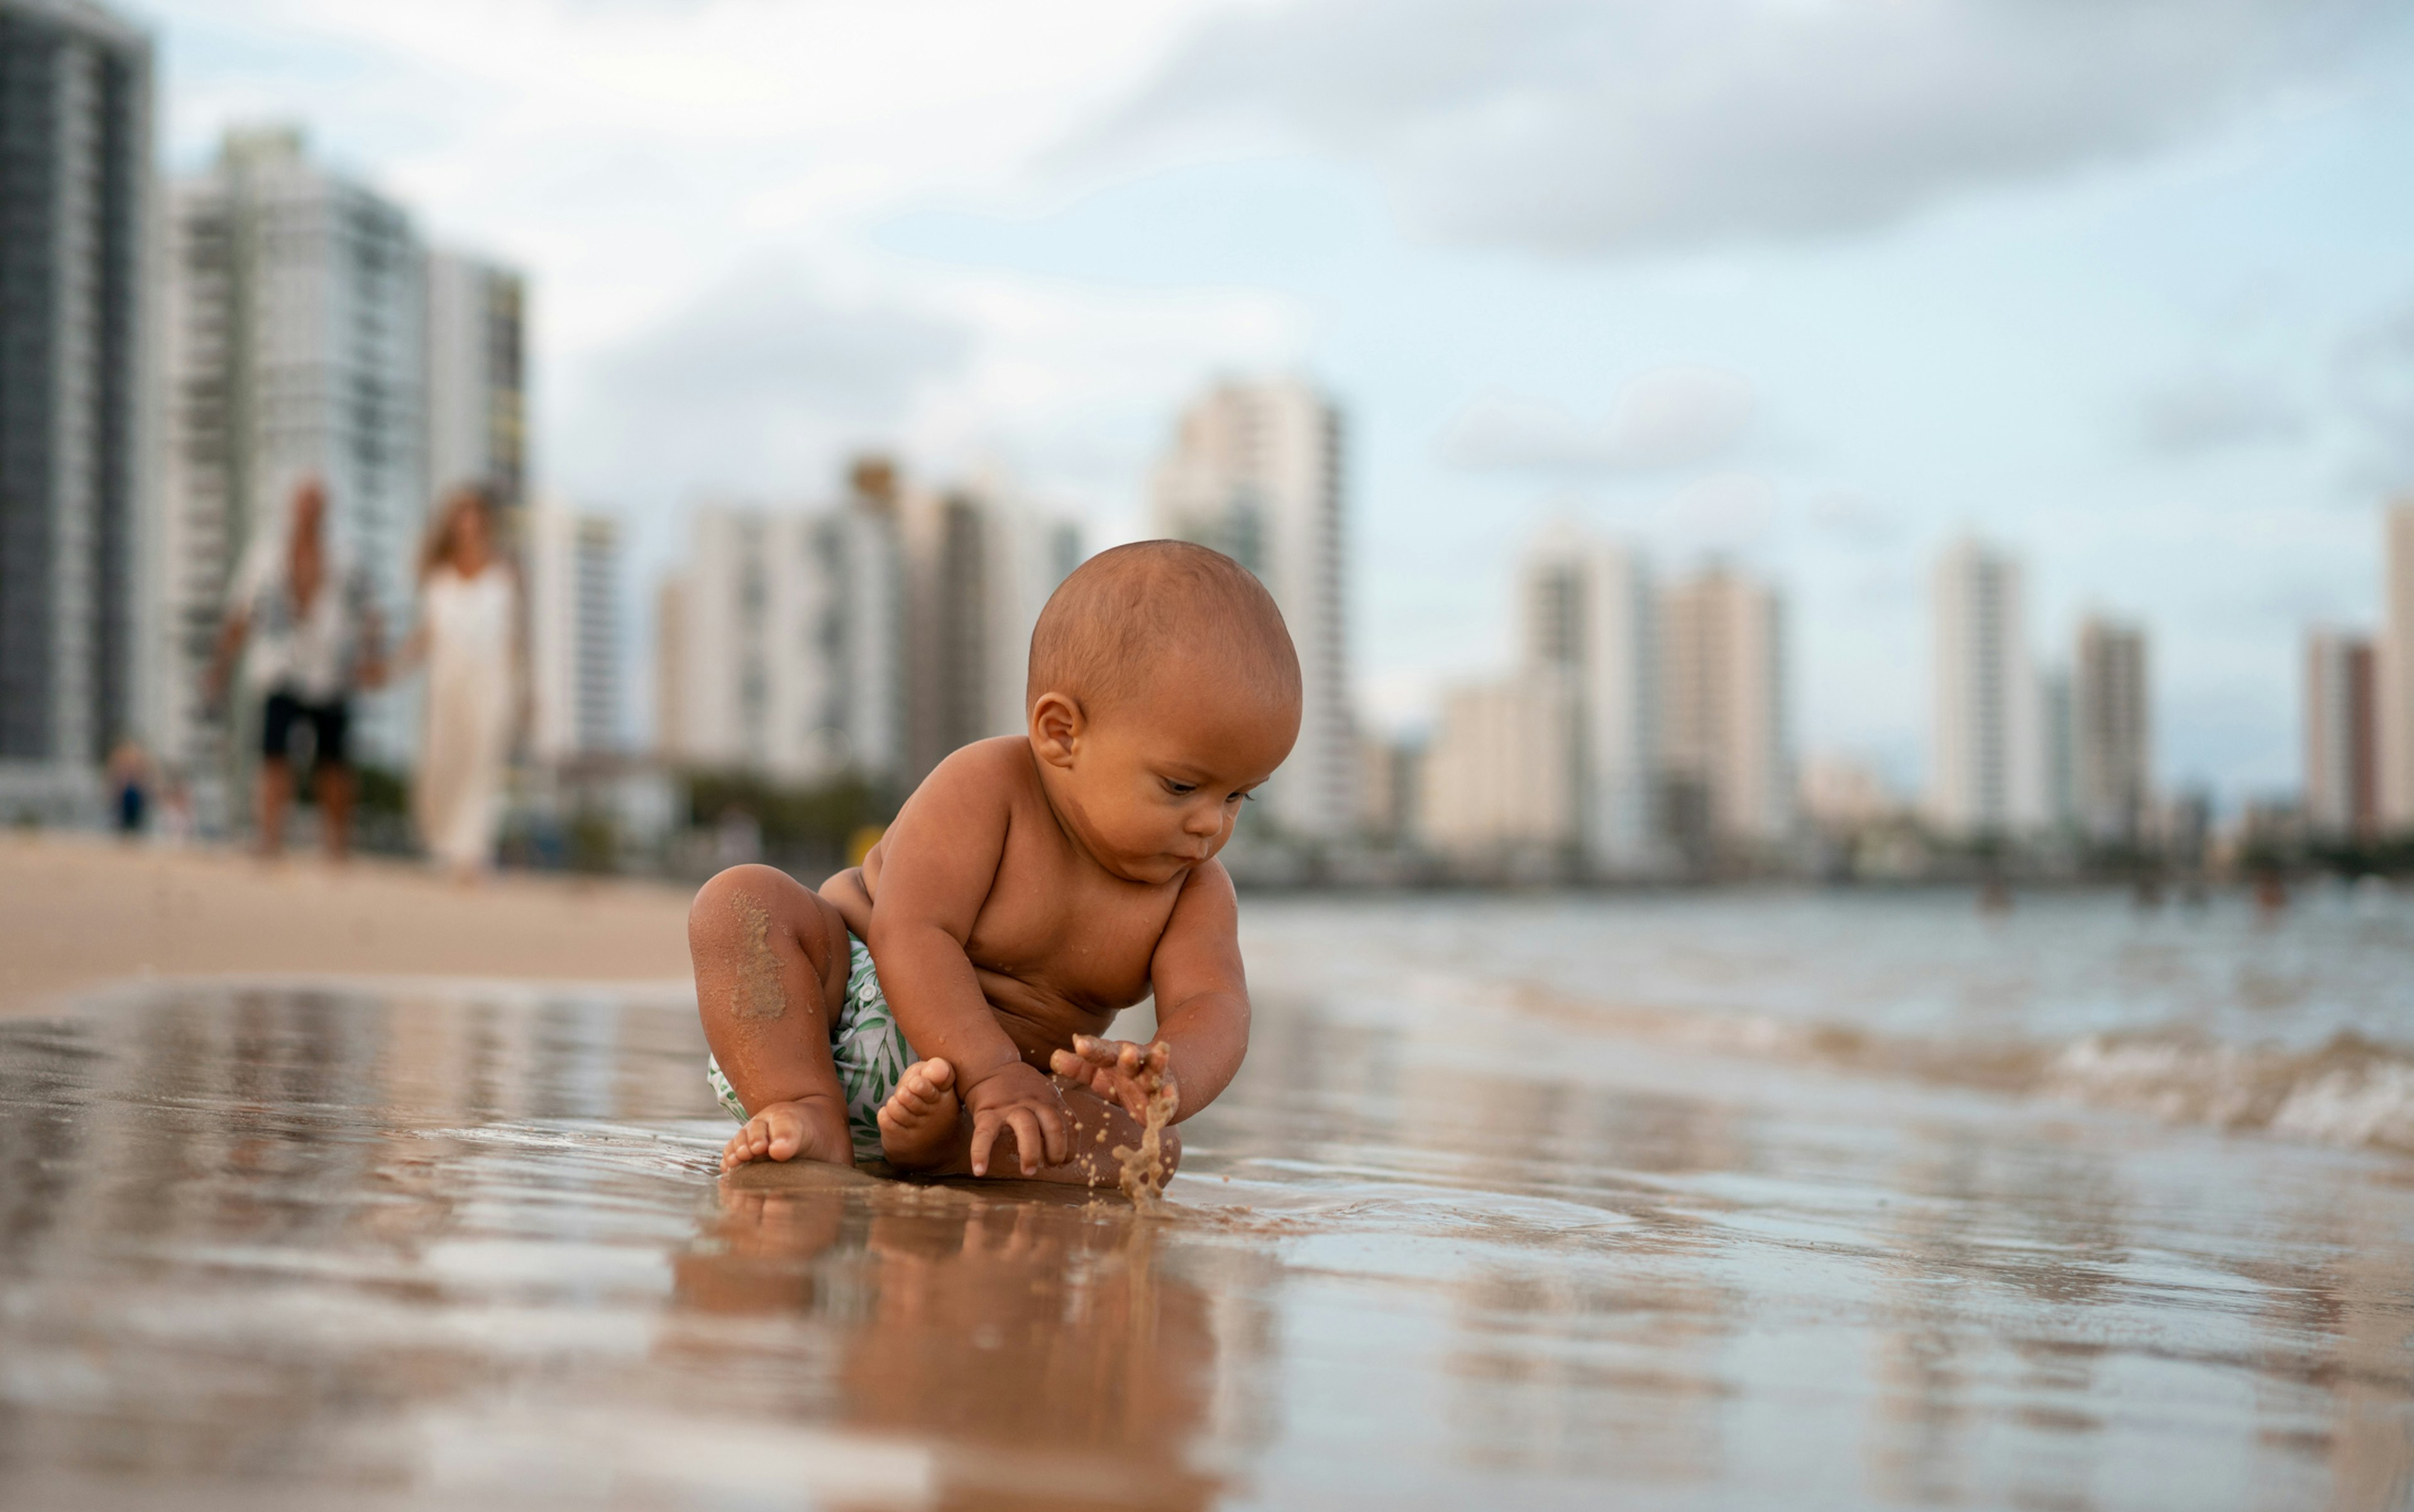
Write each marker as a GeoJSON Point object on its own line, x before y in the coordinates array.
{"type": "Point", "coordinates": [761, 386]}
{"type": "Point", "coordinates": [767, 381]}
{"type": "Point", "coordinates": [2375, 374]}
{"type": "Point", "coordinates": [1724, 512]}
{"type": "Point", "coordinates": [2216, 411]}
{"type": "Point", "coordinates": [1852, 519]}
{"type": "Point", "coordinates": [1589, 126]}
{"type": "Point", "coordinates": [1666, 417]}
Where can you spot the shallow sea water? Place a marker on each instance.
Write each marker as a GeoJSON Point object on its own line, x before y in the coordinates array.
{"type": "Point", "coordinates": [1535, 1202]}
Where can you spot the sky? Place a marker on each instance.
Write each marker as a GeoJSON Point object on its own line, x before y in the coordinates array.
{"type": "Point", "coordinates": [1809, 286]}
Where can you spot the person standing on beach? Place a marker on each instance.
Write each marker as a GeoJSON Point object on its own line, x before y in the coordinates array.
{"type": "Point", "coordinates": [312, 626]}
{"type": "Point", "coordinates": [470, 635]}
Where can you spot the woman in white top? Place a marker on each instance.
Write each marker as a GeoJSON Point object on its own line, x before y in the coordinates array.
{"type": "Point", "coordinates": [469, 635]}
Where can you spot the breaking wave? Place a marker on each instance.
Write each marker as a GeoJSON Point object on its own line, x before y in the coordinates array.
{"type": "Point", "coordinates": [2350, 1090]}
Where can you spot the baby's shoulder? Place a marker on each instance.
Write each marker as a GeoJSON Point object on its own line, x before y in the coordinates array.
{"type": "Point", "coordinates": [982, 785]}
{"type": "Point", "coordinates": [998, 767]}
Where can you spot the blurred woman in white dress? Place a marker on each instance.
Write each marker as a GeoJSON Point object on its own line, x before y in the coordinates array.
{"type": "Point", "coordinates": [470, 633]}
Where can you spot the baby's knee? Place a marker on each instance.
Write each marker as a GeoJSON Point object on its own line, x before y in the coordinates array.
{"type": "Point", "coordinates": [738, 904]}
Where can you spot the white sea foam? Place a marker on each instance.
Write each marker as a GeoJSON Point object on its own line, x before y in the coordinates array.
{"type": "Point", "coordinates": [2349, 1091]}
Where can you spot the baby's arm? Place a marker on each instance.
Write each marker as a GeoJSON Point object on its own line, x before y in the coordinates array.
{"type": "Point", "coordinates": [937, 864]}
{"type": "Point", "coordinates": [1203, 1010]}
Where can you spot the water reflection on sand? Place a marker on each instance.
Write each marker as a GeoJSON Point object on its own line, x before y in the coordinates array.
{"type": "Point", "coordinates": [461, 1249]}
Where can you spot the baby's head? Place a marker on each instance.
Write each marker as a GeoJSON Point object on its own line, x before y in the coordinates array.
{"type": "Point", "coordinates": [1163, 688]}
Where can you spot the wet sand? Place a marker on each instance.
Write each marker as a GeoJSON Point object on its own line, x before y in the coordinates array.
{"type": "Point", "coordinates": [465, 1246]}
{"type": "Point", "coordinates": [81, 912]}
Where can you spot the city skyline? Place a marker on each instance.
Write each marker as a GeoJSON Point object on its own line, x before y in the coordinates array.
{"type": "Point", "coordinates": [2227, 420]}
{"type": "Point", "coordinates": [2166, 330]}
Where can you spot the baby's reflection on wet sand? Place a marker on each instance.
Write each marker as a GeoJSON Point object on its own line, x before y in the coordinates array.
{"type": "Point", "coordinates": [1035, 1335]}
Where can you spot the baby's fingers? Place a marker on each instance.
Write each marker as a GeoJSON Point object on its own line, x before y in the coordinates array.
{"type": "Point", "coordinates": [1059, 1141]}
{"type": "Point", "coordinates": [1027, 1143]}
{"type": "Point", "coordinates": [1094, 1051]}
{"type": "Point", "coordinates": [985, 1128]}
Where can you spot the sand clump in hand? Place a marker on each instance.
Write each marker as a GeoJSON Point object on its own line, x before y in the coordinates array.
{"type": "Point", "coordinates": [1145, 1174]}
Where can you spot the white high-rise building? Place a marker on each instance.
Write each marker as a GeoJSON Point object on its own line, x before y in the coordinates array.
{"type": "Point", "coordinates": [1501, 781]}
{"type": "Point", "coordinates": [2342, 729]}
{"type": "Point", "coordinates": [1724, 731]}
{"type": "Point", "coordinates": [574, 591]}
{"type": "Point", "coordinates": [2112, 730]}
{"type": "Point", "coordinates": [296, 347]}
{"type": "Point", "coordinates": [1987, 754]}
{"type": "Point", "coordinates": [781, 647]}
{"type": "Point", "coordinates": [1589, 612]}
{"type": "Point", "coordinates": [2394, 670]}
{"type": "Point", "coordinates": [1255, 471]}
{"type": "Point", "coordinates": [75, 218]}
{"type": "Point", "coordinates": [477, 375]}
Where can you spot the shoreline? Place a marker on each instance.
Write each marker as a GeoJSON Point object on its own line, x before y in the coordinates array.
{"type": "Point", "coordinates": [81, 914]}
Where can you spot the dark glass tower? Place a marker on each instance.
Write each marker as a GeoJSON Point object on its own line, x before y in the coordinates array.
{"type": "Point", "coordinates": [75, 152]}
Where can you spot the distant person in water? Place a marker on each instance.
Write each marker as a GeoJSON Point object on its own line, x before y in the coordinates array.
{"type": "Point", "coordinates": [313, 629]}
{"type": "Point", "coordinates": [470, 637]}
{"type": "Point", "coordinates": [1031, 887]}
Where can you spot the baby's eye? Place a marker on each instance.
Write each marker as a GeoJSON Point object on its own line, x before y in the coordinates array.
{"type": "Point", "coordinates": [1241, 798]}
{"type": "Point", "coordinates": [1180, 789]}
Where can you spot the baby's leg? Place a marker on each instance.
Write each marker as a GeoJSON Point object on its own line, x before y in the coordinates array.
{"type": "Point", "coordinates": [771, 971]}
{"type": "Point", "coordinates": [922, 1129]}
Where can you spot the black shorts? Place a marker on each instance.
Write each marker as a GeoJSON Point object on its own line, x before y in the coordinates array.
{"type": "Point", "coordinates": [329, 723]}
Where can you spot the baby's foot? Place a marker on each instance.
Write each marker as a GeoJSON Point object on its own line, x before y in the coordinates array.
{"type": "Point", "coordinates": [782, 1131]}
{"type": "Point", "coordinates": [918, 1122]}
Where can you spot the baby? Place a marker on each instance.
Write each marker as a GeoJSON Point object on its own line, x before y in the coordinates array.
{"type": "Point", "coordinates": [1033, 886]}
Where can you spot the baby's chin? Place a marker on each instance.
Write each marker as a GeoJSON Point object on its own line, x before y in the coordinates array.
{"type": "Point", "coordinates": [1154, 868]}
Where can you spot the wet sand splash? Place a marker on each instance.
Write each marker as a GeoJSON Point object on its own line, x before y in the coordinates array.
{"type": "Point", "coordinates": [1143, 1169]}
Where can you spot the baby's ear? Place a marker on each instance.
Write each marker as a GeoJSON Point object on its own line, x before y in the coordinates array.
{"type": "Point", "coordinates": [1056, 729]}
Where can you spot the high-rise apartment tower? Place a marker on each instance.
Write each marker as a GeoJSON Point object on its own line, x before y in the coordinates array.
{"type": "Point", "coordinates": [1256, 472]}
{"type": "Point", "coordinates": [296, 347]}
{"type": "Point", "coordinates": [75, 173]}
{"type": "Point", "coordinates": [781, 645]}
{"type": "Point", "coordinates": [2393, 669]}
{"type": "Point", "coordinates": [573, 577]}
{"type": "Point", "coordinates": [477, 375]}
{"type": "Point", "coordinates": [2112, 730]}
{"type": "Point", "coordinates": [980, 565]}
{"type": "Point", "coordinates": [1723, 736]}
{"type": "Point", "coordinates": [1589, 613]}
{"type": "Point", "coordinates": [2342, 737]}
{"type": "Point", "coordinates": [1986, 748]}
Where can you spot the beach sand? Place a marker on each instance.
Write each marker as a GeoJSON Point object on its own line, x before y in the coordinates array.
{"type": "Point", "coordinates": [78, 912]}
{"type": "Point", "coordinates": [1461, 1235]}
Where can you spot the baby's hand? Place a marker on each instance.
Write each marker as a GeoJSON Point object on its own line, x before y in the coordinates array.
{"type": "Point", "coordinates": [1122, 1072]}
{"type": "Point", "coordinates": [1019, 1099]}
